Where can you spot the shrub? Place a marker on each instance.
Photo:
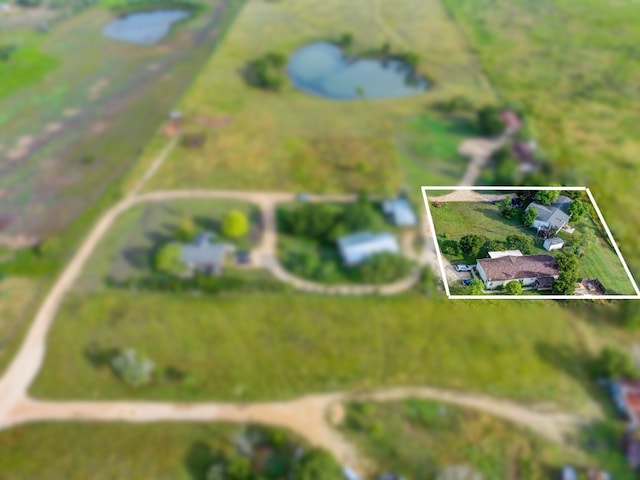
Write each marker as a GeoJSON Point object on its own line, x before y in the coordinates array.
{"type": "Point", "coordinates": [384, 268]}
{"type": "Point", "coordinates": [133, 368]}
{"type": "Point", "coordinates": [359, 216]}
{"type": "Point", "coordinates": [523, 243]}
{"type": "Point", "coordinates": [529, 216]}
{"type": "Point", "coordinates": [317, 464]}
{"type": "Point", "coordinates": [450, 247]}
{"type": "Point", "coordinates": [169, 259]}
{"type": "Point", "coordinates": [578, 209]}
{"type": "Point", "coordinates": [267, 72]}
{"type": "Point", "coordinates": [613, 363]}
{"type": "Point", "coordinates": [345, 40]}
{"type": "Point", "coordinates": [489, 121]}
{"type": "Point", "coordinates": [186, 231]}
{"type": "Point", "coordinates": [314, 221]}
{"type": "Point", "coordinates": [513, 288]}
{"type": "Point", "coordinates": [235, 224]}
{"type": "Point", "coordinates": [476, 287]}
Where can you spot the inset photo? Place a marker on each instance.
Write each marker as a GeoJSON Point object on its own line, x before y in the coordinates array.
{"type": "Point", "coordinates": [525, 243]}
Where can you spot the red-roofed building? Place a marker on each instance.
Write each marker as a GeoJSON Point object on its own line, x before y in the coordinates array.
{"type": "Point", "coordinates": [511, 120]}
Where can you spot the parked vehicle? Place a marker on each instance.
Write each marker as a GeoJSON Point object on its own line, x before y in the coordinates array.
{"type": "Point", "coordinates": [516, 202]}
{"type": "Point", "coordinates": [466, 282]}
{"type": "Point", "coordinates": [463, 268]}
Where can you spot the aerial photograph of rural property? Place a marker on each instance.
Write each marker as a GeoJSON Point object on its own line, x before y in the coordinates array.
{"type": "Point", "coordinates": [272, 239]}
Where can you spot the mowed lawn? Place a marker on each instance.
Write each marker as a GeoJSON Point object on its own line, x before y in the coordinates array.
{"type": "Point", "coordinates": [573, 65]}
{"type": "Point", "coordinates": [419, 438]}
{"type": "Point", "coordinates": [101, 451]}
{"type": "Point", "coordinates": [294, 141]}
{"type": "Point", "coordinates": [264, 347]}
{"type": "Point", "coordinates": [456, 219]}
{"type": "Point", "coordinates": [127, 250]}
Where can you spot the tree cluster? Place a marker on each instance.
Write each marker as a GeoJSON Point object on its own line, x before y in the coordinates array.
{"type": "Point", "coordinates": [565, 284]}
{"type": "Point", "coordinates": [384, 268]}
{"type": "Point", "coordinates": [578, 209]}
{"type": "Point", "coordinates": [489, 121]}
{"type": "Point", "coordinates": [267, 72]}
{"type": "Point", "coordinates": [547, 197]}
{"type": "Point", "coordinates": [476, 246]}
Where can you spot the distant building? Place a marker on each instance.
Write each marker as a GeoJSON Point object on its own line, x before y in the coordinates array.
{"type": "Point", "coordinates": [505, 253]}
{"type": "Point", "coordinates": [626, 397]}
{"type": "Point", "coordinates": [527, 269]}
{"type": "Point", "coordinates": [554, 243]}
{"type": "Point", "coordinates": [511, 120]}
{"type": "Point", "coordinates": [400, 212]}
{"type": "Point", "coordinates": [203, 256]}
{"type": "Point", "coordinates": [356, 248]}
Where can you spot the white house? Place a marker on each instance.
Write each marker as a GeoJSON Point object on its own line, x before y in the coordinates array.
{"type": "Point", "coordinates": [530, 270]}
{"type": "Point", "coordinates": [555, 243]}
{"type": "Point", "coordinates": [357, 247]}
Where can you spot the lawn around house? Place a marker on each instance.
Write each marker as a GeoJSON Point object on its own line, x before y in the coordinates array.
{"type": "Point", "coordinates": [419, 438]}
{"type": "Point", "coordinates": [456, 219]}
{"type": "Point", "coordinates": [266, 347]}
{"type": "Point", "coordinates": [127, 250]}
{"type": "Point", "coordinates": [295, 141]}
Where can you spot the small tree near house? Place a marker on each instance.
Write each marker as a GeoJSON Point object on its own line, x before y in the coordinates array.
{"type": "Point", "coordinates": [547, 197]}
{"type": "Point", "coordinates": [578, 209]}
{"type": "Point", "coordinates": [471, 245]}
{"type": "Point", "coordinates": [513, 288]}
{"type": "Point", "coordinates": [235, 224]}
{"type": "Point", "coordinates": [529, 217]}
{"type": "Point", "coordinates": [476, 287]}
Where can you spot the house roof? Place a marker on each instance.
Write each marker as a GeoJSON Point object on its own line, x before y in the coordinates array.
{"type": "Point", "coordinates": [554, 241]}
{"type": "Point", "coordinates": [400, 211]}
{"type": "Point", "coordinates": [516, 268]}
{"type": "Point", "coordinates": [202, 252]}
{"type": "Point", "coordinates": [357, 247]}
{"type": "Point", "coordinates": [505, 253]}
{"type": "Point", "coordinates": [554, 216]}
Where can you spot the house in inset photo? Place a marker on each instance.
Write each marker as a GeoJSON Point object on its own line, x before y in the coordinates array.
{"type": "Point", "coordinates": [530, 270]}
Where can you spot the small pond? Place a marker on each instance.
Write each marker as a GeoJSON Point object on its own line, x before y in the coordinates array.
{"type": "Point", "coordinates": [145, 27]}
{"type": "Point", "coordinates": [322, 69]}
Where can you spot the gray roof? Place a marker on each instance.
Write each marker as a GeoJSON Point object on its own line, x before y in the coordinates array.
{"type": "Point", "coordinates": [201, 252]}
{"type": "Point", "coordinates": [400, 212]}
{"type": "Point", "coordinates": [357, 247]}
{"type": "Point", "coordinates": [554, 241]}
{"type": "Point", "coordinates": [563, 202]}
{"type": "Point", "coordinates": [554, 216]}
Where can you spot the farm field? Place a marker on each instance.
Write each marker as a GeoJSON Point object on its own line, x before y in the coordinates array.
{"type": "Point", "coordinates": [67, 138]}
{"type": "Point", "coordinates": [114, 450]}
{"type": "Point", "coordinates": [419, 438]}
{"type": "Point", "coordinates": [263, 347]}
{"type": "Point", "coordinates": [126, 252]}
{"type": "Point", "coordinates": [456, 219]}
{"type": "Point", "coordinates": [575, 74]}
{"type": "Point", "coordinates": [294, 141]}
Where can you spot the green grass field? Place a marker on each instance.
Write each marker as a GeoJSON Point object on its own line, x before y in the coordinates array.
{"type": "Point", "coordinates": [126, 252]}
{"type": "Point", "coordinates": [280, 346]}
{"type": "Point", "coordinates": [428, 150]}
{"type": "Point", "coordinates": [576, 75]}
{"type": "Point", "coordinates": [419, 438]}
{"type": "Point", "coordinates": [294, 141]}
{"type": "Point", "coordinates": [456, 219]}
{"type": "Point", "coordinates": [101, 451]}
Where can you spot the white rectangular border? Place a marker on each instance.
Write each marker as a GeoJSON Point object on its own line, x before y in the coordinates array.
{"type": "Point", "coordinates": [526, 297]}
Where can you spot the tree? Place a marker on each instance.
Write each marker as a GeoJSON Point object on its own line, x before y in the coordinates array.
{"type": "Point", "coordinates": [583, 240]}
{"type": "Point", "coordinates": [133, 368]}
{"type": "Point", "coordinates": [578, 209]}
{"type": "Point", "coordinates": [565, 284]}
{"type": "Point", "coordinates": [384, 268]}
{"type": "Point", "coordinates": [505, 170]}
{"type": "Point", "coordinates": [169, 259]}
{"type": "Point", "coordinates": [267, 71]}
{"type": "Point", "coordinates": [513, 288]}
{"type": "Point", "coordinates": [317, 464]}
{"type": "Point", "coordinates": [568, 262]}
{"type": "Point", "coordinates": [613, 363]}
{"type": "Point", "coordinates": [186, 231]}
{"type": "Point", "coordinates": [471, 245]}
{"type": "Point", "coordinates": [235, 224]}
{"type": "Point", "coordinates": [310, 220]}
{"type": "Point", "coordinates": [530, 216]}
{"type": "Point", "coordinates": [489, 121]}
{"type": "Point", "coordinates": [239, 469]}
{"type": "Point", "coordinates": [450, 247]}
{"type": "Point", "coordinates": [476, 287]}
{"type": "Point", "coordinates": [359, 216]}
{"type": "Point", "coordinates": [523, 243]}
{"type": "Point", "coordinates": [547, 197]}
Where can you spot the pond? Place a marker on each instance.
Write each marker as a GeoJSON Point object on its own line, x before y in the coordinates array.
{"type": "Point", "coordinates": [322, 69]}
{"type": "Point", "coordinates": [145, 27]}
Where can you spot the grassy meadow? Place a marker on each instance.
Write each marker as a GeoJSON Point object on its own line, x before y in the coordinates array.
{"type": "Point", "coordinates": [419, 438]}
{"type": "Point", "coordinates": [294, 141]}
{"type": "Point", "coordinates": [573, 65]}
{"type": "Point", "coordinates": [263, 347]}
{"type": "Point", "coordinates": [456, 219]}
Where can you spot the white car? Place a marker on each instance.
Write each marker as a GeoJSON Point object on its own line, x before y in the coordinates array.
{"type": "Point", "coordinates": [463, 268]}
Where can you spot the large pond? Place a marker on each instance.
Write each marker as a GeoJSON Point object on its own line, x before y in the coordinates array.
{"type": "Point", "coordinates": [146, 27]}
{"type": "Point", "coordinates": [322, 69]}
